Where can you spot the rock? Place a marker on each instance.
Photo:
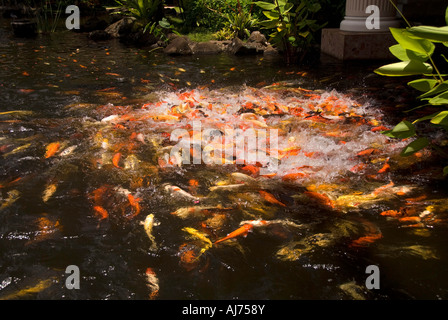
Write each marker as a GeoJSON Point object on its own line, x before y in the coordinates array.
{"type": "Point", "coordinates": [179, 46]}
{"type": "Point", "coordinates": [139, 38]}
{"type": "Point", "coordinates": [92, 24]}
{"type": "Point", "coordinates": [99, 35]}
{"type": "Point", "coordinates": [121, 27]}
{"type": "Point", "coordinates": [209, 47]}
{"type": "Point", "coordinates": [24, 28]}
{"type": "Point", "coordinates": [258, 38]}
{"type": "Point", "coordinates": [238, 47]}
{"type": "Point", "coordinates": [270, 51]}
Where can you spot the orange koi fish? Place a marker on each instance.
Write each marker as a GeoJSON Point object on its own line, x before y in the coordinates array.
{"type": "Point", "coordinates": [377, 191]}
{"type": "Point", "coordinates": [152, 282]}
{"type": "Point", "coordinates": [293, 176]}
{"type": "Point", "coordinates": [385, 168]}
{"type": "Point", "coordinates": [242, 231]}
{"type": "Point", "coordinates": [391, 213]}
{"type": "Point", "coordinates": [254, 170]}
{"type": "Point", "coordinates": [320, 198]}
{"type": "Point", "coordinates": [270, 198]}
{"type": "Point", "coordinates": [52, 148]}
{"type": "Point", "coordinates": [101, 212]}
{"type": "Point", "coordinates": [116, 159]}
{"type": "Point", "coordinates": [134, 202]}
{"type": "Point", "coordinates": [379, 128]}
{"type": "Point", "coordinates": [367, 152]}
{"type": "Point", "coordinates": [366, 240]}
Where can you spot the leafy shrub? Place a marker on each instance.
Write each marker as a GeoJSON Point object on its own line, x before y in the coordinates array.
{"type": "Point", "coordinates": [415, 49]}
{"type": "Point", "coordinates": [211, 14]}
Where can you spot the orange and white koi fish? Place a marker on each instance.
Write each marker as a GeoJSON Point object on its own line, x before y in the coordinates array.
{"type": "Point", "coordinates": [180, 194]}
{"type": "Point", "coordinates": [241, 231]}
{"type": "Point", "coordinates": [382, 189]}
{"type": "Point", "coordinates": [51, 149]}
{"type": "Point", "coordinates": [152, 282]}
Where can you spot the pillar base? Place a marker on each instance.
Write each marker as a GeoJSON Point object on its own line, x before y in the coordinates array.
{"type": "Point", "coordinates": [358, 24]}
{"type": "Point", "coordinates": [345, 45]}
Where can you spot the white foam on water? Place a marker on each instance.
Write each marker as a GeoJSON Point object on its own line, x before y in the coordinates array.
{"type": "Point", "coordinates": [327, 129]}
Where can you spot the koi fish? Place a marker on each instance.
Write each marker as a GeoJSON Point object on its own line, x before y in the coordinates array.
{"type": "Point", "coordinates": [202, 237]}
{"type": "Point", "coordinates": [252, 169]}
{"type": "Point", "coordinates": [13, 196]}
{"type": "Point", "coordinates": [101, 212]}
{"type": "Point", "coordinates": [382, 189]}
{"type": "Point", "coordinates": [197, 212]}
{"type": "Point", "coordinates": [199, 235]}
{"type": "Point", "coordinates": [51, 149]}
{"type": "Point", "coordinates": [17, 150]}
{"type": "Point", "coordinates": [40, 286]}
{"type": "Point", "coordinates": [152, 282]}
{"type": "Point", "coordinates": [134, 202]}
{"type": "Point", "coordinates": [180, 194]}
{"type": "Point", "coordinates": [293, 176]}
{"type": "Point", "coordinates": [68, 151]}
{"type": "Point", "coordinates": [241, 231]}
{"type": "Point", "coordinates": [148, 225]}
{"type": "Point", "coordinates": [270, 198]}
{"type": "Point", "coordinates": [391, 213]}
{"type": "Point", "coordinates": [116, 159]}
{"type": "Point", "coordinates": [46, 228]}
{"type": "Point", "coordinates": [385, 168]}
{"type": "Point", "coordinates": [366, 240]}
{"type": "Point", "coordinates": [49, 191]}
{"type": "Point", "coordinates": [367, 152]}
{"type": "Point", "coordinates": [320, 198]}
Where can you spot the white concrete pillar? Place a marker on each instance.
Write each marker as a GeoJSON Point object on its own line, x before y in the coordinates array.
{"type": "Point", "coordinates": [356, 16]}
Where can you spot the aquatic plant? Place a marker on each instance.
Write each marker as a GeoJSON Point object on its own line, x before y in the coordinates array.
{"type": "Point", "coordinates": [416, 47]}
{"type": "Point", "coordinates": [47, 15]}
{"type": "Point", "coordinates": [292, 24]}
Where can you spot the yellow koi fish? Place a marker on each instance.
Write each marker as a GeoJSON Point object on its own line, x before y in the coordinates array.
{"type": "Point", "coordinates": [148, 225]}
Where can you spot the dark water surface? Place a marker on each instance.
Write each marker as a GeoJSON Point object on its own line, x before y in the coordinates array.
{"type": "Point", "coordinates": [69, 84]}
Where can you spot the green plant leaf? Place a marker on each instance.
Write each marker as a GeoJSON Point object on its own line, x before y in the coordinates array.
{"type": "Point", "coordinates": [415, 146]}
{"type": "Point", "coordinates": [406, 54]}
{"type": "Point", "coordinates": [405, 68]}
{"type": "Point", "coordinates": [271, 14]}
{"type": "Point", "coordinates": [434, 34]}
{"type": "Point", "coordinates": [403, 130]}
{"type": "Point", "coordinates": [445, 171]}
{"type": "Point", "coordinates": [442, 87]}
{"type": "Point", "coordinates": [441, 118]}
{"type": "Point", "coordinates": [423, 85]}
{"type": "Point", "coordinates": [403, 37]}
{"type": "Point", "coordinates": [441, 99]}
{"type": "Point", "coordinates": [265, 5]}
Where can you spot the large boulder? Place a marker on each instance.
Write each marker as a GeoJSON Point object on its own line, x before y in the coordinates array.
{"type": "Point", "coordinates": [99, 35]}
{"type": "Point", "coordinates": [209, 47]}
{"type": "Point", "coordinates": [257, 38]}
{"type": "Point", "coordinates": [121, 27]}
{"type": "Point", "coordinates": [238, 47]}
{"type": "Point", "coordinates": [179, 46]}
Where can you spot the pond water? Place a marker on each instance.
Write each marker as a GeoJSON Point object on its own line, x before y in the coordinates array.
{"type": "Point", "coordinates": [89, 132]}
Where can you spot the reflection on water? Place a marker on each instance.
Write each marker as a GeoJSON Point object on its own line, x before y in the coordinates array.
{"type": "Point", "coordinates": [89, 178]}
